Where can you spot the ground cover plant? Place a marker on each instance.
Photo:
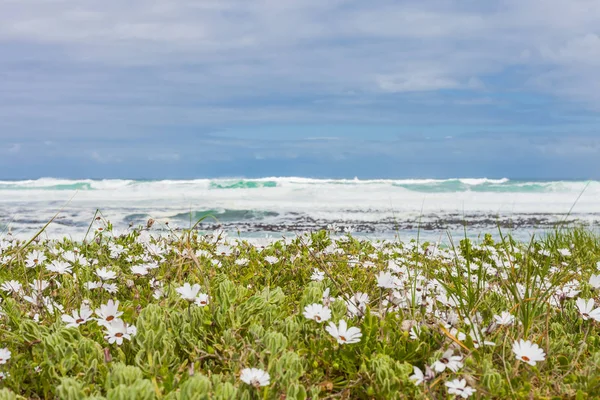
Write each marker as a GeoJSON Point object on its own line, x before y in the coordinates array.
{"type": "Point", "coordinates": [137, 315]}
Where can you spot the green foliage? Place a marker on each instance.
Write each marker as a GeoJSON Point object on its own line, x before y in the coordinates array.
{"type": "Point", "coordinates": [443, 298]}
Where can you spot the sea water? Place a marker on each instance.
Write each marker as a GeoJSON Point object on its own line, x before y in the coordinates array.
{"type": "Point", "coordinates": [378, 208]}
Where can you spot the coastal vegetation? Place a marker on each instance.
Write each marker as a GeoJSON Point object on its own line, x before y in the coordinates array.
{"type": "Point", "coordinates": [186, 315]}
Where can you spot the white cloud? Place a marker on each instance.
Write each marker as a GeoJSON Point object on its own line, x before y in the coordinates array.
{"type": "Point", "coordinates": [217, 50]}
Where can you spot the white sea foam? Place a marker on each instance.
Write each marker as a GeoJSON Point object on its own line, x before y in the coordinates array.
{"type": "Point", "coordinates": [26, 205]}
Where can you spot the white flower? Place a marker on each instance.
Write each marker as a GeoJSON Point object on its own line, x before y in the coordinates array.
{"type": "Point", "coordinates": [105, 274]}
{"type": "Point", "coordinates": [151, 265]}
{"type": "Point", "coordinates": [505, 318]}
{"type": "Point", "coordinates": [78, 317]}
{"type": "Point", "coordinates": [110, 287]}
{"type": "Point", "coordinates": [34, 259]}
{"type": "Point", "coordinates": [224, 250]}
{"type": "Point", "coordinates": [326, 299]}
{"type": "Point", "coordinates": [317, 312]}
{"type": "Point", "coordinates": [417, 377]}
{"type": "Point", "coordinates": [357, 304]}
{"type": "Point", "coordinates": [459, 387]}
{"type": "Point", "coordinates": [255, 377]}
{"type": "Point", "coordinates": [415, 332]}
{"type": "Point", "coordinates": [139, 270]}
{"type": "Point", "coordinates": [115, 250]}
{"type": "Point", "coordinates": [448, 360]}
{"type": "Point", "coordinates": [478, 339]}
{"type": "Point", "coordinates": [317, 275]}
{"type": "Point", "coordinates": [11, 286]}
{"type": "Point", "coordinates": [201, 300]}
{"type": "Point", "coordinates": [158, 293]}
{"type": "Point", "coordinates": [595, 281]}
{"type": "Point", "coordinates": [4, 355]}
{"type": "Point", "coordinates": [4, 375]}
{"type": "Point", "coordinates": [343, 334]}
{"type": "Point", "coordinates": [586, 309]}
{"type": "Point", "coordinates": [117, 330]}
{"type": "Point", "coordinates": [242, 262]}
{"type": "Point", "coordinates": [564, 252]}
{"type": "Point", "coordinates": [188, 292]}
{"type": "Point", "coordinates": [569, 290]}
{"type": "Point", "coordinates": [155, 249]}
{"type": "Point", "coordinates": [528, 352]}
{"type": "Point", "coordinates": [271, 259]}
{"type": "Point", "coordinates": [60, 267]}
{"type": "Point", "coordinates": [108, 312]}
{"type": "Point", "coordinates": [39, 285]}
{"type": "Point", "coordinates": [386, 280]}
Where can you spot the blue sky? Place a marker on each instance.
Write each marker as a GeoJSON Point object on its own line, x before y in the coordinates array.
{"type": "Point", "coordinates": [337, 88]}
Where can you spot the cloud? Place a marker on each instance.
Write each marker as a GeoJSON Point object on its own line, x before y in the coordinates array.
{"type": "Point", "coordinates": [297, 45]}
{"type": "Point", "coordinates": [142, 81]}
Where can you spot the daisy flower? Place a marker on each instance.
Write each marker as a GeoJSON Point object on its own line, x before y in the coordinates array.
{"type": "Point", "coordinates": [11, 287]}
{"type": "Point", "coordinates": [271, 259]}
{"type": "Point", "coordinates": [60, 267]}
{"type": "Point", "coordinates": [505, 318]}
{"type": "Point", "coordinates": [201, 300]}
{"type": "Point", "coordinates": [118, 330]}
{"type": "Point", "coordinates": [255, 377]}
{"type": "Point", "coordinates": [415, 332]}
{"type": "Point", "coordinates": [528, 352]}
{"type": "Point", "coordinates": [242, 262]}
{"type": "Point", "coordinates": [448, 360]}
{"type": "Point", "coordinates": [586, 309]}
{"type": "Point", "coordinates": [317, 275]}
{"type": "Point", "coordinates": [343, 334]}
{"type": "Point", "coordinates": [139, 270]}
{"type": "Point", "coordinates": [34, 259]}
{"type": "Point", "coordinates": [78, 317]}
{"type": "Point", "coordinates": [188, 292]}
{"type": "Point", "coordinates": [108, 312]}
{"type": "Point", "coordinates": [4, 355]}
{"type": "Point", "coordinates": [110, 287]}
{"type": "Point", "coordinates": [326, 298]}
{"type": "Point", "coordinates": [459, 387]}
{"type": "Point", "coordinates": [4, 375]}
{"type": "Point", "coordinates": [105, 274]}
{"type": "Point", "coordinates": [357, 304]}
{"type": "Point", "coordinates": [39, 285]}
{"type": "Point", "coordinates": [158, 293]}
{"type": "Point", "coordinates": [564, 252]}
{"type": "Point", "coordinates": [317, 312]}
{"type": "Point", "coordinates": [386, 280]}
{"type": "Point", "coordinates": [71, 256]}
{"type": "Point", "coordinates": [419, 377]}
{"type": "Point", "coordinates": [595, 281]}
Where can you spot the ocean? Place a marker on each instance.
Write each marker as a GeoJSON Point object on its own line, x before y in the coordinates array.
{"type": "Point", "coordinates": [408, 208]}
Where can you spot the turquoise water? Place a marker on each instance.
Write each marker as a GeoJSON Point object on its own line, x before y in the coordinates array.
{"type": "Point", "coordinates": [414, 185]}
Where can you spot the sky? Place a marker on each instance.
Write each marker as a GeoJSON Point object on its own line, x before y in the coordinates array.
{"type": "Point", "coordinates": [155, 89]}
